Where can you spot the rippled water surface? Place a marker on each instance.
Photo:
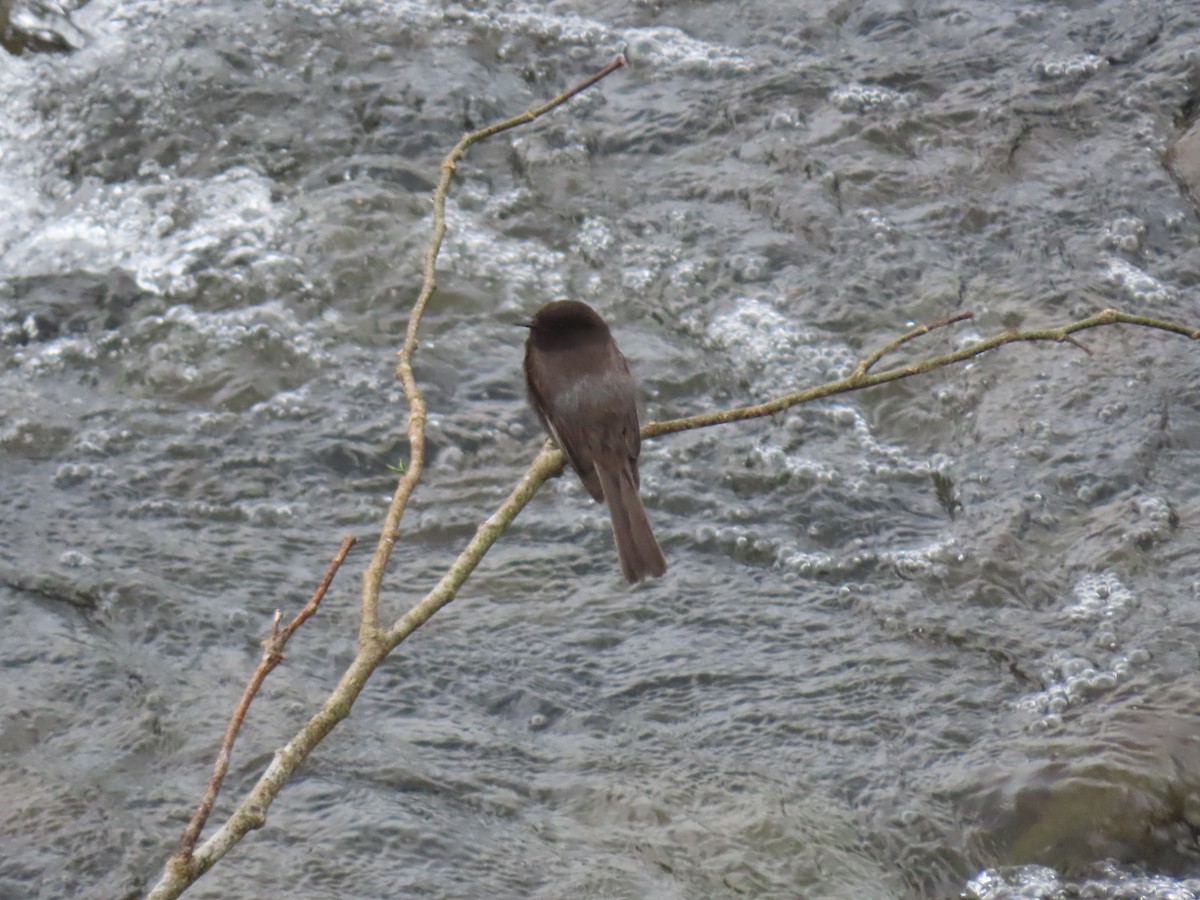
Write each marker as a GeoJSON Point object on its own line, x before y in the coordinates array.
{"type": "Point", "coordinates": [938, 639]}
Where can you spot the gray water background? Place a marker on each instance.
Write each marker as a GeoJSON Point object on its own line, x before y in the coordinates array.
{"type": "Point", "coordinates": [932, 639]}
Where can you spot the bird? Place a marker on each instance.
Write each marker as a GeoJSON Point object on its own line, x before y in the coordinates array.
{"type": "Point", "coordinates": [580, 388]}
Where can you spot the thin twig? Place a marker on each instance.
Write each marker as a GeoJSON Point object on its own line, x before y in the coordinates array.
{"type": "Point", "coordinates": [1078, 343]}
{"type": "Point", "coordinates": [272, 655]}
{"type": "Point", "coordinates": [311, 606]}
{"type": "Point", "coordinates": [866, 365]}
{"type": "Point", "coordinates": [373, 576]}
{"type": "Point", "coordinates": [858, 380]}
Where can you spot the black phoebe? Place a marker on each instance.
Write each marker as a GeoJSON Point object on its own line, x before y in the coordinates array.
{"type": "Point", "coordinates": [580, 387]}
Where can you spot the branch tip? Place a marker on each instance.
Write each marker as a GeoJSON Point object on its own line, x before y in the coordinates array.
{"type": "Point", "coordinates": [1066, 338]}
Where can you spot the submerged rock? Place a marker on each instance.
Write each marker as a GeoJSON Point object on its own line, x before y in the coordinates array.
{"type": "Point", "coordinates": [1119, 782]}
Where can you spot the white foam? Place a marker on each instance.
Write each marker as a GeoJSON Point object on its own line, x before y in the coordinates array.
{"type": "Point", "coordinates": [670, 49]}
{"type": "Point", "coordinates": [520, 268]}
{"type": "Point", "coordinates": [1071, 679]}
{"type": "Point", "coordinates": [1017, 883]}
{"type": "Point", "coordinates": [164, 231]}
{"type": "Point", "coordinates": [856, 97]}
{"type": "Point", "coordinates": [1031, 882]}
{"type": "Point", "coordinates": [755, 334]}
{"type": "Point", "coordinates": [1138, 285]}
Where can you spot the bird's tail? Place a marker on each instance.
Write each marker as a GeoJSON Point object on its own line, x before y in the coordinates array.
{"type": "Point", "coordinates": [639, 551]}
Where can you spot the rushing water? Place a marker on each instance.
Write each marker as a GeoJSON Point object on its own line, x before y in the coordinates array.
{"type": "Point", "coordinates": [935, 639]}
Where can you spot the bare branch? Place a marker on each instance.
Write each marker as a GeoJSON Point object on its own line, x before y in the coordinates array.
{"type": "Point", "coordinates": [252, 811]}
{"type": "Point", "coordinates": [311, 607]}
{"type": "Point", "coordinates": [375, 643]}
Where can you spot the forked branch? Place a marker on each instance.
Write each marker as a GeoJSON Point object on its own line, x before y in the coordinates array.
{"type": "Point", "coordinates": [187, 864]}
{"type": "Point", "coordinates": [550, 462]}
{"type": "Point", "coordinates": [376, 641]}
{"type": "Point", "coordinates": [272, 656]}
{"type": "Point", "coordinates": [369, 629]}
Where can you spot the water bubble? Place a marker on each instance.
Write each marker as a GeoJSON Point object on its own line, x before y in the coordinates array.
{"type": "Point", "coordinates": [786, 118]}
{"type": "Point", "coordinates": [1099, 596]}
{"type": "Point", "coordinates": [1124, 233]}
{"type": "Point", "coordinates": [1075, 667]}
{"type": "Point", "coordinates": [1104, 681]}
{"type": "Point", "coordinates": [1073, 67]}
{"type": "Point", "coordinates": [75, 559]}
{"type": "Point", "coordinates": [1048, 723]}
{"type": "Point", "coordinates": [1106, 639]}
{"type": "Point", "coordinates": [1079, 687]}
